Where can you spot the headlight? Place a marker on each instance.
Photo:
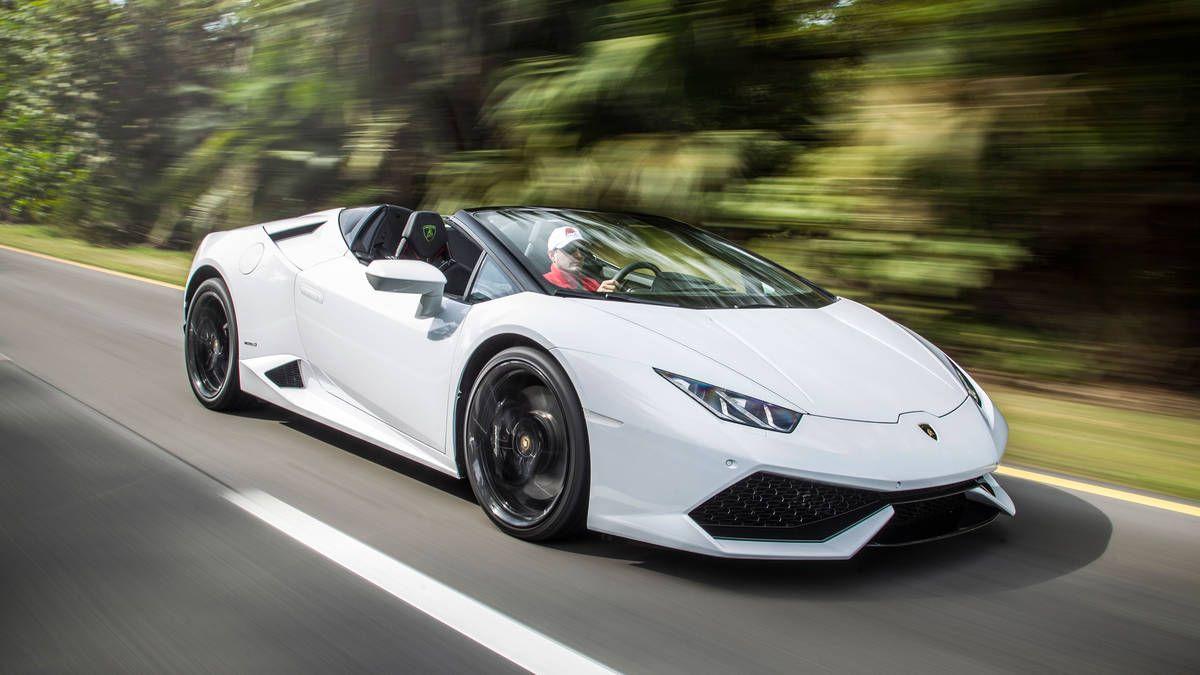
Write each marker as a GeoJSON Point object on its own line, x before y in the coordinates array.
{"type": "Point", "coordinates": [734, 407]}
{"type": "Point", "coordinates": [962, 377]}
{"type": "Point", "coordinates": [950, 365]}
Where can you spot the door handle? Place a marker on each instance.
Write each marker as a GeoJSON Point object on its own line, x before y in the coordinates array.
{"type": "Point", "coordinates": [311, 293]}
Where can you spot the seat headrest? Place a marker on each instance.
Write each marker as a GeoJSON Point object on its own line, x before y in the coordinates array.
{"type": "Point", "coordinates": [425, 233]}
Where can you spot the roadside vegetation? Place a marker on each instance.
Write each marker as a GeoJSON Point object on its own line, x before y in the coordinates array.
{"type": "Point", "coordinates": [1015, 179]}
{"type": "Point", "coordinates": [142, 261]}
{"type": "Point", "coordinates": [1140, 448]}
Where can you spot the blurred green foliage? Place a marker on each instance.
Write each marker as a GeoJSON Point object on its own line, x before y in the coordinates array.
{"type": "Point", "coordinates": [1015, 178]}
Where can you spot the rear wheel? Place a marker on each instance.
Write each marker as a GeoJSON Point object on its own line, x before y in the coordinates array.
{"type": "Point", "coordinates": [211, 348]}
{"type": "Point", "coordinates": [525, 444]}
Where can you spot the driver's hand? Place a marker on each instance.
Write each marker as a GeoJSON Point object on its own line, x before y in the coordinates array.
{"type": "Point", "coordinates": [607, 286]}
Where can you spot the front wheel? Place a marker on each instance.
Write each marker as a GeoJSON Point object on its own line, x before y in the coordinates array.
{"type": "Point", "coordinates": [525, 443]}
{"type": "Point", "coordinates": [211, 348]}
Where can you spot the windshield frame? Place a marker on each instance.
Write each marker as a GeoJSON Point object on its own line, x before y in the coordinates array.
{"type": "Point", "coordinates": [547, 288]}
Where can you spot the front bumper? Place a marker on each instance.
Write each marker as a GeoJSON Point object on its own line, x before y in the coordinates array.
{"type": "Point", "coordinates": [658, 459]}
{"type": "Point", "coordinates": [938, 513]}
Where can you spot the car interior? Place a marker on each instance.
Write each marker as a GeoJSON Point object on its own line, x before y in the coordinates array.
{"type": "Point", "coordinates": [394, 232]}
{"type": "Point", "coordinates": [532, 242]}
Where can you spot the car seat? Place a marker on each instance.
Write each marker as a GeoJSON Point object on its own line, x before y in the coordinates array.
{"type": "Point", "coordinates": [381, 232]}
{"type": "Point", "coordinates": [535, 249]}
{"type": "Point", "coordinates": [423, 237]}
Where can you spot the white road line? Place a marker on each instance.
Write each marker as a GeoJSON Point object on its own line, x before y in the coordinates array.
{"type": "Point", "coordinates": [4, 358]}
{"type": "Point", "coordinates": [505, 636]}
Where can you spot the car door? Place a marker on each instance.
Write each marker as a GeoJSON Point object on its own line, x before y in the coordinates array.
{"type": "Point", "coordinates": [373, 347]}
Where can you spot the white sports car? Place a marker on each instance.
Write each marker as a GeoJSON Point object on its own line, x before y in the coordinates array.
{"type": "Point", "coordinates": [624, 373]}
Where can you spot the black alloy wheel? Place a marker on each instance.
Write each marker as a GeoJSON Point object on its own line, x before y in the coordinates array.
{"type": "Point", "coordinates": [211, 348]}
{"type": "Point", "coordinates": [525, 444]}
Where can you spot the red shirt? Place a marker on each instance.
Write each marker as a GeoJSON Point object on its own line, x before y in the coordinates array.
{"type": "Point", "coordinates": [564, 279]}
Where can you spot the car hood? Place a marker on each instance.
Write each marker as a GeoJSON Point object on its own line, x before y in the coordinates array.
{"type": "Point", "coordinates": [843, 360]}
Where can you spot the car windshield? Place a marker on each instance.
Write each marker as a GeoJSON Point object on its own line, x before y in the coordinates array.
{"type": "Point", "coordinates": [642, 258]}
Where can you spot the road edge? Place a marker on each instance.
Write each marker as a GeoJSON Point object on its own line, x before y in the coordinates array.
{"type": "Point", "coordinates": [94, 268]}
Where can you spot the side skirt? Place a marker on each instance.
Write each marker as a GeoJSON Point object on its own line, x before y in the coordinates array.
{"type": "Point", "coordinates": [314, 402]}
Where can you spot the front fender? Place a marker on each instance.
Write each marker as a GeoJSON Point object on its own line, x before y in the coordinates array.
{"type": "Point", "coordinates": [565, 325]}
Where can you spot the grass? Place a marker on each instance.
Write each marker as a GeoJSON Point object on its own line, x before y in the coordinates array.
{"type": "Point", "coordinates": [144, 261]}
{"type": "Point", "coordinates": [1146, 450]}
{"type": "Point", "coordinates": [1056, 431]}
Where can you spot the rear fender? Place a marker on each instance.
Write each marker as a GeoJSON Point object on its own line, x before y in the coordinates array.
{"type": "Point", "coordinates": [260, 282]}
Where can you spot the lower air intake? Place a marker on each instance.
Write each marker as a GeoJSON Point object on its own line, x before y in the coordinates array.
{"type": "Point", "coordinates": [933, 519]}
{"type": "Point", "coordinates": [770, 507]}
{"type": "Point", "coordinates": [286, 376]}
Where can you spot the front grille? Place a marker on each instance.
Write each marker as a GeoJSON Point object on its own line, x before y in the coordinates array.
{"type": "Point", "coordinates": [287, 375]}
{"type": "Point", "coordinates": [769, 500]}
{"type": "Point", "coordinates": [768, 506]}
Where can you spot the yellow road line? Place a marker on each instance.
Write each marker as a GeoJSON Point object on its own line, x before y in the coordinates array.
{"type": "Point", "coordinates": [1132, 497]}
{"type": "Point", "coordinates": [1045, 479]}
{"type": "Point", "coordinates": [93, 268]}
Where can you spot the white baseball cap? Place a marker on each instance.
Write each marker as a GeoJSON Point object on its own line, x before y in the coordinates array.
{"type": "Point", "coordinates": [561, 236]}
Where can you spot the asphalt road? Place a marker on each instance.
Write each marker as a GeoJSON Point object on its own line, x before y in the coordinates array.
{"type": "Point", "coordinates": [118, 552]}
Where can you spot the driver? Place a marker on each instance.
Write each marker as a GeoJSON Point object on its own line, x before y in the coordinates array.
{"type": "Point", "coordinates": [567, 251]}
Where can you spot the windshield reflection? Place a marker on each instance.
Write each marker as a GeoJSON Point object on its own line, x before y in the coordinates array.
{"type": "Point", "coordinates": [628, 257]}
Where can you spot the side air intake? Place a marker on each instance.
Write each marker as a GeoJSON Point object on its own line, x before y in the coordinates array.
{"type": "Point", "coordinates": [287, 375]}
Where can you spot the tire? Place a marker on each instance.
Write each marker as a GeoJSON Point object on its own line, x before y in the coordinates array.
{"type": "Point", "coordinates": [210, 348]}
{"type": "Point", "coordinates": [526, 448]}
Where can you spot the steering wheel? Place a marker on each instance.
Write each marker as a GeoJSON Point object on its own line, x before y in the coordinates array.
{"type": "Point", "coordinates": [633, 267]}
